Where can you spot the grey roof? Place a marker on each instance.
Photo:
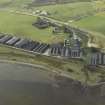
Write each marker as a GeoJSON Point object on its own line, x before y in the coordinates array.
{"type": "Point", "coordinates": [12, 41]}
{"type": "Point", "coordinates": [56, 51]}
{"type": "Point", "coordinates": [67, 50]}
{"type": "Point", "coordinates": [76, 43]}
{"type": "Point", "coordinates": [44, 48]}
{"type": "Point", "coordinates": [70, 53]}
{"type": "Point", "coordinates": [5, 39]}
{"type": "Point", "coordinates": [1, 36]}
{"type": "Point", "coordinates": [37, 47]}
{"type": "Point", "coordinates": [41, 48]}
{"type": "Point", "coordinates": [42, 45]}
{"type": "Point", "coordinates": [63, 51]}
{"type": "Point", "coordinates": [30, 45]}
{"type": "Point", "coordinates": [21, 43]}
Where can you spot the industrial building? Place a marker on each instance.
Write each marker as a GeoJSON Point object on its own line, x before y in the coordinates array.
{"type": "Point", "coordinates": [97, 59]}
{"type": "Point", "coordinates": [53, 50]}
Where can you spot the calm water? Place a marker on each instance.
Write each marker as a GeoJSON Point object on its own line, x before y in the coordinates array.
{"type": "Point", "coordinates": [25, 85]}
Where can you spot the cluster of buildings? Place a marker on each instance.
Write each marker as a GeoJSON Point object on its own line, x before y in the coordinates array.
{"type": "Point", "coordinates": [58, 50]}
{"type": "Point", "coordinates": [66, 52]}
{"type": "Point", "coordinates": [24, 44]}
{"type": "Point", "coordinates": [70, 49]}
{"type": "Point", "coordinates": [43, 23]}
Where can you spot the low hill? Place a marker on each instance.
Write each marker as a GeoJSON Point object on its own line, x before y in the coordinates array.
{"type": "Point", "coordinates": [30, 3]}
{"type": "Point", "coordinates": [67, 12]}
{"type": "Point", "coordinates": [46, 2]}
{"type": "Point", "coordinates": [58, 1]}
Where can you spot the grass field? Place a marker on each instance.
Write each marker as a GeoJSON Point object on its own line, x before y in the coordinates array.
{"type": "Point", "coordinates": [100, 4]}
{"type": "Point", "coordinates": [63, 12]}
{"type": "Point", "coordinates": [21, 25]}
{"type": "Point", "coordinates": [14, 3]}
{"type": "Point", "coordinates": [94, 23]}
{"type": "Point", "coordinates": [26, 2]}
{"type": "Point", "coordinates": [4, 1]}
{"type": "Point", "coordinates": [66, 12]}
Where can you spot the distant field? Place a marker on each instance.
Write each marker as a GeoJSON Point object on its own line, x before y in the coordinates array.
{"type": "Point", "coordinates": [21, 25]}
{"type": "Point", "coordinates": [66, 12]}
{"type": "Point", "coordinates": [62, 12]}
{"type": "Point", "coordinates": [14, 4]}
{"type": "Point", "coordinates": [94, 23]}
{"type": "Point", "coordinates": [4, 1]}
{"type": "Point", "coordinates": [36, 2]}
{"type": "Point", "coordinates": [49, 2]}
{"type": "Point", "coordinates": [29, 3]}
{"type": "Point", "coordinates": [96, 26]}
{"type": "Point", "coordinates": [20, 2]}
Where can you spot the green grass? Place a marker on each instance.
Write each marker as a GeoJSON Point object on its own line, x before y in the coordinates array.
{"type": "Point", "coordinates": [65, 12]}
{"type": "Point", "coordinates": [14, 3]}
{"type": "Point", "coordinates": [4, 1]}
{"type": "Point", "coordinates": [25, 2]}
{"type": "Point", "coordinates": [94, 23]}
{"type": "Point", "coordinates": [21, 25]}
{"type": "Point", "coordinates": [99, 4]}
{"type": "Point", "coordinates": [19, 4]}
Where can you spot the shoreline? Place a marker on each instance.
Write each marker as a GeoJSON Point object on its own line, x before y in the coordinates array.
{"type": "Point", "coordinates": [56, 73]}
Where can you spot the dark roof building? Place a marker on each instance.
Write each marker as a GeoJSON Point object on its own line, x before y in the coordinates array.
{"type": "Point", "coordinates": [41, 23]}
{"type": "Point", "coordinates": [66, 52]}
{"type": "Point", "coordinates": [1, 36]}
{"type": "Point", "coordinates": [41, 48]}
{"type": "Point", "coordinates": [55, 49]}
{"type": "Point", "coordinates": [72, 53]}
{"type": "Point", "coordinates": [13, 41]}
{"type": "Point", "coordinates": [21, 42]}
{"type": "Point", "coordinates": [5, 39]}
{"type": "Point", "coordinates": [97, 59]}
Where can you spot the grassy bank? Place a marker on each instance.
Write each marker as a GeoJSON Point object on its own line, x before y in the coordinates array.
{"type": "Point", "coordinates": [73, 68]}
